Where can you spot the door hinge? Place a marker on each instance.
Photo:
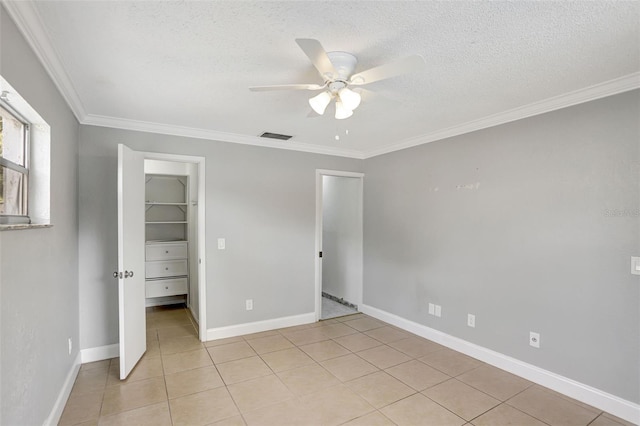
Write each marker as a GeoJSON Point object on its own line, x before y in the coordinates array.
{"type": "Point", "coordinates": [319, 254]}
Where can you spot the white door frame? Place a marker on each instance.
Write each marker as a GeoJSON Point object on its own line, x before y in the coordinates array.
{"type": "Point", "coordinates": [318, 261]}
{"type": "Point", "coordinates": [201, 222]}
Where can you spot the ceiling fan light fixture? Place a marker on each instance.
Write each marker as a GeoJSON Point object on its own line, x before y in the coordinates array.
{"type": "Point", "coordinates": [319, 102]}
{"type": "Point", "coordinates": [342, 111]}
{"type": "Point", "coordinates": [350, 99]}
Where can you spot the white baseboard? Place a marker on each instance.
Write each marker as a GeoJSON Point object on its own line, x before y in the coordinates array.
{"type": "Point", "coordinates": [194, 316]}
{"type": "Point", "coordinates": [258, 326]}
{"type": "Point", "coordinates": [63, 396]}
{"type": "Point", "coordinates": [612, 404]}
{"type": "Point", "coordinates": [100, 353]}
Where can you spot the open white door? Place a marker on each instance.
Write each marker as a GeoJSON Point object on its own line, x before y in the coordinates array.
{"type": "Point", "coordinates": [131, 276]}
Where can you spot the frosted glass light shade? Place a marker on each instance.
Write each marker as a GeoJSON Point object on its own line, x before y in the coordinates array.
{"type": "Point", "coordinates": [342, 112]}
{"type": "Point", "coordinates": [319, 102]}
{"type": "Point", "coordinates": [349, 98]}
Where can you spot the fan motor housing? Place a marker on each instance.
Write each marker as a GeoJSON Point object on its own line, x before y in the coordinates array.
{"type": "Point", "coordinates": [344, 64]}
{"type": "Point", "coordinates": [336, 86]}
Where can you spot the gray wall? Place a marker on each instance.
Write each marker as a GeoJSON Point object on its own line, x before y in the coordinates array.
{"type": "Point", "coordinates": [261, 200]}
{"type": "Point", "coordinates": [530, 226]}
{"type": "Point", "coordinates": [39, 267]}
{"type": "Point", "coordinates": [342, 237]}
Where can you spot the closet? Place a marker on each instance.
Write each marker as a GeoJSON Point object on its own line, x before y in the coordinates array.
{"type": "Point", "coordinates": [170, 213]}
{"type": "Point", "coordinates": [161, 257]}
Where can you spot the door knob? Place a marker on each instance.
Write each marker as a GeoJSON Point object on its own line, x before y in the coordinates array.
{"type": "Point", "coordinates": [128, 274]}
{"type": "Point", "coordinates": [117, 274]}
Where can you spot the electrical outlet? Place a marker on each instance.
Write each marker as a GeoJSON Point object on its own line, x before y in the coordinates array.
{"type": "Point", "coordinates": [249, 304]}
{"type": "Point", "coordinates": [221, 243]}
{"type": "Point", "coordinates": [471, 320]}
{"type": "Point", "coordinates": [70, 345]}
{"type": "Point", "coordinates": [438, 311]}
{"type": "Point", "coordinates": [534, 339]}
{"type": "Point", "coordinates": [432, 308]}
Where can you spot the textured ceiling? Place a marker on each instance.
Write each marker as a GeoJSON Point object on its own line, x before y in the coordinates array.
{"type": "Point", "coordinates": [186, 66]}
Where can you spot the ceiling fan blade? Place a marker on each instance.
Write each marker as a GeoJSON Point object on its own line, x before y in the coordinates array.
{"type": "Point", "coordinates": [287, 87]}
{"type": "Point", "coordinates": [318, 56]}
{"type": "Point", "coordinates": [401, 66]}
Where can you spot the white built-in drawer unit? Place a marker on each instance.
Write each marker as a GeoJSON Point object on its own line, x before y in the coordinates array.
{"type": "Point", "coordinates": [166, 251]}
{"type": "Point", "coordinates": [166, 268]}
{"type": "Point", "coordinates": [163, 288]}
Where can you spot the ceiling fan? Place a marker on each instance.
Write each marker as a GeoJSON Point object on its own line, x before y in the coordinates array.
{"type": "Point", "coordinates": [337, 71]}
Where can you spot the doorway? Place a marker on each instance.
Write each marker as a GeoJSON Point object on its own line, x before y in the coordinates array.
{"type": "Point", "coordinates": [161, 237]}
{"type": "Point", "coordinates": [194, 169]}
{"type": "Point", "coordinates": [339, 236]}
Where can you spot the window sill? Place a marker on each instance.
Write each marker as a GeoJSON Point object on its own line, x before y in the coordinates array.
{"type": "Point", "coordinates": [20, 226]}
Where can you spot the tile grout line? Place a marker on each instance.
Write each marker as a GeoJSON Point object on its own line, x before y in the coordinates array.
{"type": "Point", "coordinates": [164, 378]}
{"type": "Point", "coordinates": [317, 363]}
{"type": "Point", "coordinates": [543, 389]}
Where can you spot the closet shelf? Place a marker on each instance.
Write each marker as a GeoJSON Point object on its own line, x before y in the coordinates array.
{"type": "Point", "coordinates": [159, 203]}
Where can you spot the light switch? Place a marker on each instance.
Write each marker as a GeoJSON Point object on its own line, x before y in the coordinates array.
{"type": "Point", "coordinates": [438, 310]}
{"type": "Point", "coordinates": [221, 243]}
{"type": "Point", "coordinates": [432, 308]}
{"type": "Point", "coordinates": [635, 265]}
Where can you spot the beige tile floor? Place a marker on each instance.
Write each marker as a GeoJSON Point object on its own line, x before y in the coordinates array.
{"type": "Point", "coordinates": [353, 370]}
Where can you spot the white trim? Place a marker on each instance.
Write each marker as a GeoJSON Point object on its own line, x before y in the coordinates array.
{"type": "Point", "coordinates": [339, 173]}
{"type": "Point", "coordinates": [591, 93]}
{"type": "Point", "coordinates": [587, 94]}
{"type": "Point", "coordinates": [317, 261]}
{"type": "Point", "coordinates": [258, 326]}
{"type": "Point", "coordinates": [317, 288]}
{"type": "Point", "coordinates": [99, 353]}
{"type": "Point", "coordinates": [202, 251]}
{"type": "Point", "coordinates": [197, 133]}
{"type": "Point", "coordinates": [612, 404]}
{"type": "Point", "coordinates": [28, 20]}
{"type": "Point", "coordinates": [201, 231]}
{"type": "Point", "coordinates": [63, 396]}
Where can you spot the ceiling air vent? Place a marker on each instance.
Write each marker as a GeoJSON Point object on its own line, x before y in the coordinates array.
{"type": "Point", "coordinates": [275, 136]}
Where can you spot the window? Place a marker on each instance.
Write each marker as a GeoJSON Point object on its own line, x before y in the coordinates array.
{"type": "Point", "coordinates": [25, 163]}
{"type": "Point", "coordinates": [14, 172]}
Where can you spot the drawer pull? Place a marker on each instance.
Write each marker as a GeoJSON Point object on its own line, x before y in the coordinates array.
{"type": "Point", "coordinates": [166, 269]}
{"type": "Point", "coordinates": [166, 251]}
{"type": "Point", "coordinates": [166, 288]}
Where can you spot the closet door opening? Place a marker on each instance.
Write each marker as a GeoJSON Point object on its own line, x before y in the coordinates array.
{"type": "Point", "coordinates": [171, 237]}
{"type": "Point", "coordinates": [161, 247]}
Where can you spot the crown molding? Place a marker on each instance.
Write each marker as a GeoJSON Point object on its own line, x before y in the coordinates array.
{"type": "Point", "coordinates": [190, 132]}
{"type": "Point", "coordinates": [28, 21]}
{"type": "Point", "coordinates": [27, 18]}
{"type": "Point", "coordinates": [591, 93]}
